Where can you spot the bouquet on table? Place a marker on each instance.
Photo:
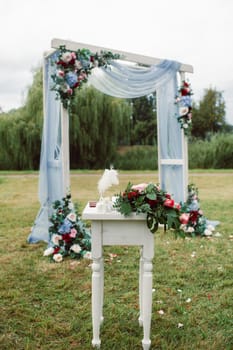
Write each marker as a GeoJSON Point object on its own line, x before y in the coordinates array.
{"type": "Point", "coordinates": [68, 234]}
{"type": "Point", "coordinates": [151, 200]}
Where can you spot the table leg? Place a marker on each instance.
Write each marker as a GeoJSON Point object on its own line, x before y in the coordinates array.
{"type": "Point", "coordinates": [140, 319]}
{"type": "Point", "coordinates": [146, 302]}
{"type": "Point", "coordinates": [96, 300]}
{"type": "Point", "coordinates": [102, 289]}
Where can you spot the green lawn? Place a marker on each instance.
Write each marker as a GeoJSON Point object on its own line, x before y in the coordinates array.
{"type": "Point", "coordinates": [47, 306]}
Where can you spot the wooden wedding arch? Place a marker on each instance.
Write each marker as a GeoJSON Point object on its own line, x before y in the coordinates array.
{"type": "Point", "coordinates": [63, 186]}
{"type": "Point", "coordinates": [131, 57]}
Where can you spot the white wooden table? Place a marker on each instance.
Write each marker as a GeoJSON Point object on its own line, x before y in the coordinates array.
{"type": "Point", "coordinates": [112, 228]}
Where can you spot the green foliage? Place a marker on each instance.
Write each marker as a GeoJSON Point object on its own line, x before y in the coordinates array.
{"type": "Point", "coordinates": [149, 199]}
{"type": "Point", "coordinates": [97, 123]}
{"type": "Point", "coordinates": [48, 306]}
{"type": "Point", "coordinates": [209, 114]}
{"type": "Point", "coordinates": [144, 121]}
{"type": "Point", "coordinates": [137, 158]}
{"type": "Point", "coordinates": [20, 131]}
{"type": "Point", "coordinates": [216, 153]}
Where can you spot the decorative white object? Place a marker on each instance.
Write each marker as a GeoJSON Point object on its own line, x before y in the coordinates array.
{"type": "Point", "coordinates": [112, 228]}
{"type": "Point", "coordinates": [104, 205]}
{"type": "Point", "coordinates": [109, 178]}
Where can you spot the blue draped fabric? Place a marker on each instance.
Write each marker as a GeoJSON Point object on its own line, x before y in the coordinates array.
{"type": "Point", "coordinates": [124, 80]}
{"type": "Point", "coordinates": [51, 172]}
{"type": "Point", "coordinates": [170, 143]}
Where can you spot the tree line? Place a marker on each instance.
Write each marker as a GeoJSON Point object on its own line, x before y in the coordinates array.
{"type": "Point", "coordinates": [99, 124]}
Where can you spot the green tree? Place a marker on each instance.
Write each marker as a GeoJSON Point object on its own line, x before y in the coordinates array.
{"type": "Point", "coordinates": [97, 124]}
{"type": "Point", "coordinates": [209, 114]}
{"type": "Point", "coordinates": [20, 130]}
{"type": "Point", "coordinates": [144, 122]}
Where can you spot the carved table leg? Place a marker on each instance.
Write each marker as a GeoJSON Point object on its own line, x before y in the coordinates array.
{"type": "Point", "coordinates": [102, 289]}
{"type": "Point", "coordinates": [140, 319]}
{"type": "Point", "coordinates": [147, 302]}
{"type": "Point", "coordinates": [96, 301]}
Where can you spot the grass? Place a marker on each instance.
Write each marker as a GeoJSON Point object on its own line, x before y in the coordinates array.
{"type": "Point", "coordinates": [46, 306]}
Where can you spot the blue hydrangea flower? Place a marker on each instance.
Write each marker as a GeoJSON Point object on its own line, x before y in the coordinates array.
{"type": "Point", "coordinates": [71, 79]}
{"type": "Point", "coordinates": [186, 101]}
{"type": "Point", "coordinates": [85, 63]}
{"type": "Point", "coordinates": [65, 227]}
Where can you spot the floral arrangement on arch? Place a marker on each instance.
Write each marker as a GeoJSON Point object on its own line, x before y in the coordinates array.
{"type": "Point", "coordinates": [73, 69]}
{"type": "Point", "coordinates": [183, 99]}
{"type": "Point", "coordinates": [68, 234]}
{"type": "Point", "coordinates": [150, 199]}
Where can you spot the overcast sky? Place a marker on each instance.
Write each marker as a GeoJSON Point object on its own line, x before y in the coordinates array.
{"type": "Point", "coordinates": [197, 32]}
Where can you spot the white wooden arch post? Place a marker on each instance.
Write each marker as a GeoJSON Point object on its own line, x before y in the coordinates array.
{"type": "Point", "coordinates": [65, 149]}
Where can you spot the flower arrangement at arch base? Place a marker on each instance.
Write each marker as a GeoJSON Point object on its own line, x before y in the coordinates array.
{"type": "Point", "coordinates": [184, 219]}
{"type": "Point", "coordinates": [68, 234]}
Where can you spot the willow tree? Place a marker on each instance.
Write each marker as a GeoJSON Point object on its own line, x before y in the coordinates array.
{"type": "Point", "coordinates": [20, 130]}
{"type": "Point", "coordinates": [97, 124]}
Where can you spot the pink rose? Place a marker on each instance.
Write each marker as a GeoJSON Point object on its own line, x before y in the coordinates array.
{"type": "Point", "coordinates": [140, 187]}
{"type": "Point", "coordinates": [184, 218]}
{"type": "Point", "coordinates": [73, 233]}
{"type": "Point", "coordinates": [60, 73]}
{"type": "Point", "coordinates": [177, 206]}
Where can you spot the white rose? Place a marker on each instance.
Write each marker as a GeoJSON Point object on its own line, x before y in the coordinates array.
{"type": "Point", "coordinates": [183, 111]}
{"type": "Point", "coordinates": [185, 126]}
{"type": "Point", "coordinates": [78, 64]}
{"type": "Point", "coordinates": [56, 238]}
{"type": "Point", "coordinates": [71, 206]}
{"type": "Point", "coordinates": [76, 248]}
{"type": "Point", "coordinates": [66, 57]}
{"type": "Point", "coordinates": [58, 257]}
{"type": "Point", "coordinates": [71, 217]}
{"type": "Point", "coordinates": [210, 227]}
{"type": "Point", "coordinates": [190, 229]}
{"type": "Point", "coordinates": [48, 251]}
{"type": "Point", "coordinates": [87, 255]}
{"type": "Point", "coordinates": [207, 232]}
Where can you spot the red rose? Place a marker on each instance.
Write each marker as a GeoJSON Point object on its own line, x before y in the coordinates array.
{"type": "Point", "coordinates": [76, 85]}
{"type": "Point", "coordinates": [169, 203]}
{"type": "Point", "coordinates": [56, 250]}
{"type": "Point", "coordinates": [193, 216]}
{"type": "Point", "coordinates": [184, 92]}
{"type": "Point", "coordinates": [66, 237]}
{"type": "Point", "coordinates": [72, 61]}
{"type": "Point", "coordinates": [152, 202]}
{"type": "Point", "coordinates": [132, 194]}
{"type": "Point", "coordinates": [62, 63]}
{"type": "Point", "coordinates": [167, 195]}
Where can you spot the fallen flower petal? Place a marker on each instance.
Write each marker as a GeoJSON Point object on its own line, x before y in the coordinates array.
{"type": "Point", "coordinates": [161, 312]}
